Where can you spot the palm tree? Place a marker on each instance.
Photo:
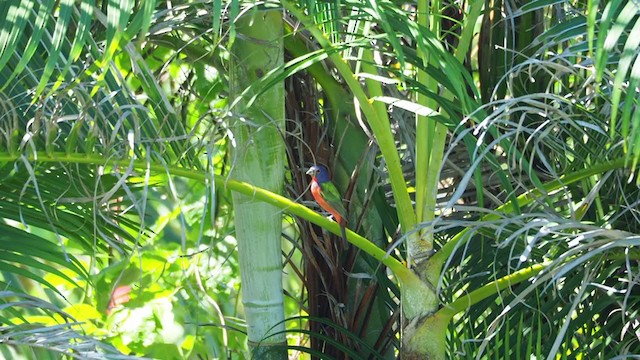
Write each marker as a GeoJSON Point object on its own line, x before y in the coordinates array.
{"type": "Point", "coordinates": [507, 182]}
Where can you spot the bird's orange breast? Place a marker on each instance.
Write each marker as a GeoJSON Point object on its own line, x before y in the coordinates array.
{"type": "Point", "coordinates": [316, 191]}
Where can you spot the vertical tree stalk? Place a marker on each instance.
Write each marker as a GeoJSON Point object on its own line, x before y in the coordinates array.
{"type": "Point", "coordinates": [431, 136]}
{"type": "Point", "coordinates": [428, 337]}
{"type": "Point", "coordinates": [429, 141]}
{"type": "Point", "coordinates": [258, 158]}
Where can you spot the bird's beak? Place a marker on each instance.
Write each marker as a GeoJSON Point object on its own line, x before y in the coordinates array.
{"type": "Point", "coordinates": [311, 172]}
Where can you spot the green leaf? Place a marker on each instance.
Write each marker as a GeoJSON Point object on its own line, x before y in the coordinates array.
{"type": "Point", "coordinates": [39, 26]}
{"type": "Point", "coordinates": [62, 24]}
{"type": "Point", "coordinates": [12, 26]}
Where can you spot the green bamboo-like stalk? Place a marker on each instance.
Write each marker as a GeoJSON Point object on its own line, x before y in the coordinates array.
{"type": "Point", "coordinates": [429, 140]}
{"type": "Point", "coordinates": [259, 158]}
{"type": "Point", "coordinates": [430, 144]}
{"type": "Point", "coordinates": [431, 135]}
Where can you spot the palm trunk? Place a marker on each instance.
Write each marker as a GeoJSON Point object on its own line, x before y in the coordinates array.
{"type": "Point", "coordinates": [259, 159]}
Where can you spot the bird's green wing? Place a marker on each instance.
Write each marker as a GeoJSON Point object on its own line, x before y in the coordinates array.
{"type": "Point", "coordinates": [332, 196]}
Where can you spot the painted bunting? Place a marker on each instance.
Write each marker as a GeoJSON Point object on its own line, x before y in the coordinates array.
{"type": "Point", "coordinates": [327, 196]}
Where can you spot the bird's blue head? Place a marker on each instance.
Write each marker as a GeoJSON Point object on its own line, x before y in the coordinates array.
{"type": "Point", "coordinates": [320, 172]}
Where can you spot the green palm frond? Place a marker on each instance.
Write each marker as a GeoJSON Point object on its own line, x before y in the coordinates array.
{"type": "Point", "coordinates": [43, 340]}
{"type": "Point", "coordinates": [49, 37]}
{"type": "Point", "coordinates": [581, 298]}
{"type": "Point", "coordinates": [603, 43]}
{"type": "Point", "coordinates": [67, 90]}
{"type": "Point", "coordinates": [621, 29]}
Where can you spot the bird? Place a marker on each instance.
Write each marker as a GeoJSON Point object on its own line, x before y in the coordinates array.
{"type": "Point", "coordinates": [327, 196]}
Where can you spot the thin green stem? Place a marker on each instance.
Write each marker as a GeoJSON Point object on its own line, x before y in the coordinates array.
{"type": "Point", "coordinates": [431, 136]}
{"type": "Point", "coordinates": [228, 184]}
{"type": "Point", "coordinates": [464, 302]}
{"type": "Point", "coordinates": [425, 130]}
